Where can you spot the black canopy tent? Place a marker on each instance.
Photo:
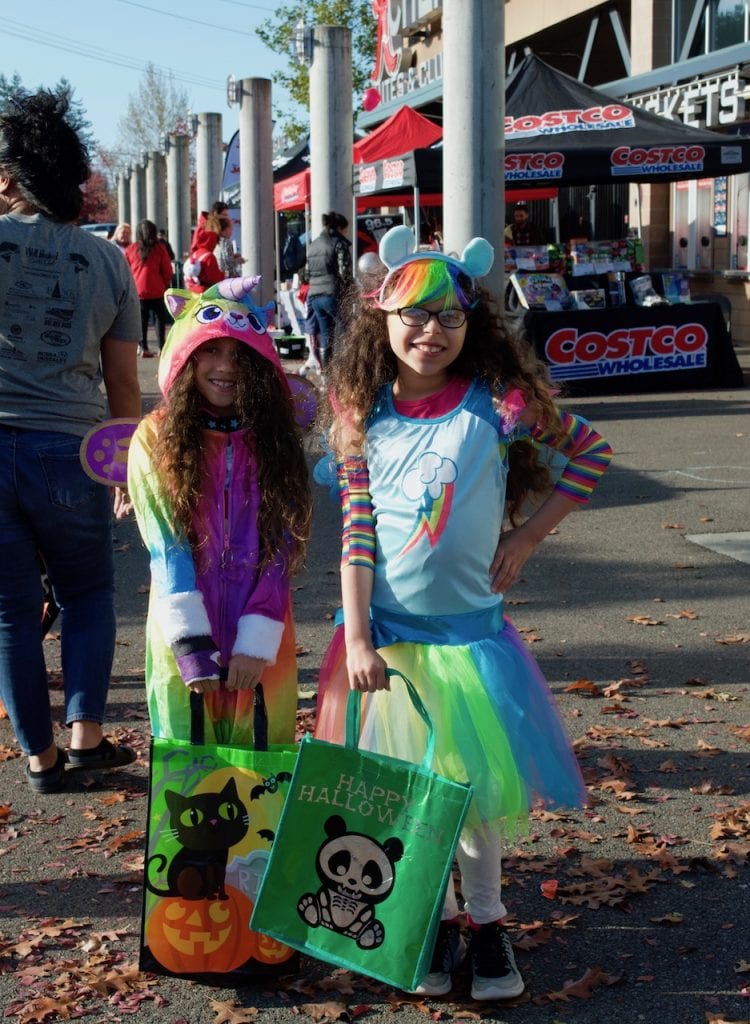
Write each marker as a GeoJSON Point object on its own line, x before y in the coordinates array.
{"type": "Point", "coordinates": [561, 132]}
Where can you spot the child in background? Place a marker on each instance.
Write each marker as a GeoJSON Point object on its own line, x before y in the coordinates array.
{"type": "Point", "coordinates": [219, 485]}
{"type": "Point", "coordinates": [437, 414]}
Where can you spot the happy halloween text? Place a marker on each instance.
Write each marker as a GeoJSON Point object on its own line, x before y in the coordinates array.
{"type": "Point", "coordinates": [385, 805]}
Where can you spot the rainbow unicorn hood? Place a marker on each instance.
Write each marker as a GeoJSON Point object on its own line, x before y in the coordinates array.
{"type": "Point", "coordinates": [225, 310]}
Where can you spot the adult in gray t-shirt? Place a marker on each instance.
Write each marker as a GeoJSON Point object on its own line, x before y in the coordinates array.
{"type": "Point", "coordinates": [69, 322]}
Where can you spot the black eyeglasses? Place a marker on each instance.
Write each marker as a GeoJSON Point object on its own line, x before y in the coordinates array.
{"type": "Point", "coordinates": [418, 316]}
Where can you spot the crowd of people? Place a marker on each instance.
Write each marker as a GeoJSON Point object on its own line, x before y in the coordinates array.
{"type": "Point", "coordinates": [435, 413]}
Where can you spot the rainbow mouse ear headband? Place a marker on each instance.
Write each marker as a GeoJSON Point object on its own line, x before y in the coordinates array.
{"type": "Point", "coordinates": [398, 247]}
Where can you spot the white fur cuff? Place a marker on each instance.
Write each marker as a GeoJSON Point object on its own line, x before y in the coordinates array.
{"type": "Point", "coordinates": [183, 615]}
{"type": "Point", "coordinates": [258, 637]}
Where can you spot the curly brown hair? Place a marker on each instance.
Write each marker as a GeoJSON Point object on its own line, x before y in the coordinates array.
{"type": "Point", "coordinates": [265, 408]}
{"type": "Point", "coordinates": [492, 352]}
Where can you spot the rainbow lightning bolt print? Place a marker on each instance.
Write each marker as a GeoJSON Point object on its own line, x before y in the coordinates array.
{"type": "Point", "coordinates": [431, 483]}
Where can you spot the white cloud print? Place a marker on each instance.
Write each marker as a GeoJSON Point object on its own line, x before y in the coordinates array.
{"type": "Point", "coordinates": [430, 474]}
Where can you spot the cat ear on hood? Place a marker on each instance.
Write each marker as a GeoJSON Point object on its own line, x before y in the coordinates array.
{"type": "Point", "coordinates": [176, 299]}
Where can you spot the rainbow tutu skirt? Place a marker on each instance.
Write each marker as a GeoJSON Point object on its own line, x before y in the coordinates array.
{"type": "Point", "coordinates": [496, 721]}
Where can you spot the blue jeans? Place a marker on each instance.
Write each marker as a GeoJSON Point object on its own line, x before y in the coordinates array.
{"type": "Point", "coordinates": [324, 307]}
{"type": "Point", "coordinates": [49, 507]}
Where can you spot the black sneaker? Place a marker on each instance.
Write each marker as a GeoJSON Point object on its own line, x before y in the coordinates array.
{"type": "Point", "coordinates": [448, 954]}
{"type": "Point", "coordinates": [493, 964]}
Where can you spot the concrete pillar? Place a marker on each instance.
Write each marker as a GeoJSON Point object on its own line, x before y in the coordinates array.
{"type": "Point", "coordinates": [256, 184]}
{"type": "Point", "coordinates": [209, 160]}
{"type": "Point", "coordinates": [473, 119]}
{"type": "Point", "coordinates": [178, 194]}
{"type": "Point", "coordinates": [331, 124]}
{"type": "Point", "coordinates": [156, 189]}
{"type": "Point", "coordinates": [137, 194]}
{"type": "Point", "coordinates": [123, 197]}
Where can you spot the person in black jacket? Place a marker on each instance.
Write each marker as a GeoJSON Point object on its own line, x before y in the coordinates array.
{"type": "Point", "coordinates": [329, 271]}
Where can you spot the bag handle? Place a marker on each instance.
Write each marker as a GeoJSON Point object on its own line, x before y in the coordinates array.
{"type": "Point", "coordinates": [260, 717]}
{"type": "Point", "coordinates": [354, 708]}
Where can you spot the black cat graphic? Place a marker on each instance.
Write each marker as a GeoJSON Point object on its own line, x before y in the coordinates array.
{"type": "Point", "coordinates": [206, 825]}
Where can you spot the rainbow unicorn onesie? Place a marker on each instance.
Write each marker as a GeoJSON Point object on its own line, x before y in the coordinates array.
{"type": "Point", "coordinates": [207, 604]}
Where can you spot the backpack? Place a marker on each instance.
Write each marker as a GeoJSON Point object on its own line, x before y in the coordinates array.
{"type": "Point", "coordinates": [293, 255]}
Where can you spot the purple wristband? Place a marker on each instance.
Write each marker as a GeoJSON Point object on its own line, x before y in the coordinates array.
{"type": "Point", "coordinates": [198, 665]}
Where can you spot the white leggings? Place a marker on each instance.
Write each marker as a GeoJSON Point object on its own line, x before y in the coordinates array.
{"type": "Point", "coordinates": [480, 864]}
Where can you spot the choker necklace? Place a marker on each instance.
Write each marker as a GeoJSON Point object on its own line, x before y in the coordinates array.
{"type": "Point", "coordinates": [225, 424]}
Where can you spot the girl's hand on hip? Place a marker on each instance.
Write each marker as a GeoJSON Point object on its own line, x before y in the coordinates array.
{"type": "Point", "coordinates": [511, 554]}
{"type": "Point", "coordinates": [365, 667]}
{"type": "Point", "coordinates": [244, 672]}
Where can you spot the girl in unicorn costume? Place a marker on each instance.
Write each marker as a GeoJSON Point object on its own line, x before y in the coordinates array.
{"type": "Point", "coordinates": [219, 485]}
{"type": "Point", "coordinates": [437, 416]}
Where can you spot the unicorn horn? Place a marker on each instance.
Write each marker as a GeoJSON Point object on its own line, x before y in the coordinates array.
{"type": "Point", "coordinates": [237, 287]}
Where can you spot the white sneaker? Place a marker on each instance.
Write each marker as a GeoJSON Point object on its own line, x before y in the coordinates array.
{"type": "Point", "coordinates": [494, 965]}
{"type": "Point", "coordinates": [448, 954]}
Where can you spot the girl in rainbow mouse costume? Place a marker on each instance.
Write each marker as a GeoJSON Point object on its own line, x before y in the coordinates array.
{"type": "Point", "coordinates": [219, 485]}
{"type": "Point", "coordinates": [437, 412]}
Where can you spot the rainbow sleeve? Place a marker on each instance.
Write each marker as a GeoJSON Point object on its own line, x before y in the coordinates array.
{"type": "Point", "coordinates": [358, 536]}
{"type": "Point", "coordinates": [587, 452]}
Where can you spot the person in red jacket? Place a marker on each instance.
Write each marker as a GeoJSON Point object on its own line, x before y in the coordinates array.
{"type": "Point", "coordinates": [152, 270]}
{"type": "Point", "coordinates": [201, 269]}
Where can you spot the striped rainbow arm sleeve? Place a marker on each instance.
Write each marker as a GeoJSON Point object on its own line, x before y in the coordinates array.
{"type": "Point", "coordinates": [588, 455]}
{"type": "Point", "coordinates": [358, 536]}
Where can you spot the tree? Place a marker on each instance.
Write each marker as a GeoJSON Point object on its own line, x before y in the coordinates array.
{"type": "Point", "coordinates": [156, 109]}
{"type": "Point", "coordinates": [99, 202]}
{"type": "Point", "coordinates": [277, 33]}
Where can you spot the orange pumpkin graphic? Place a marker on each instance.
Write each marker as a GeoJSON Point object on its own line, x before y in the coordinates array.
{"type": "Point", "coordinates": [197, 936]}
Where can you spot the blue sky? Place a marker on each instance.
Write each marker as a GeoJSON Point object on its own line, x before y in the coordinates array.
{"type": "Point", "coordinates": [102, 46]}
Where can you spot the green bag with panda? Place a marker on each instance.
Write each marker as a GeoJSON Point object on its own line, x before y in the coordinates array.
{"type": "Point", "coordinates": [362, 855]}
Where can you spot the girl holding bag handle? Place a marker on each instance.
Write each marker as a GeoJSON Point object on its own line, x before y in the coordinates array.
{"type": "Point", "coordinates": [219, 484]}
{"type": "Point", "coordinates": [437, 414]}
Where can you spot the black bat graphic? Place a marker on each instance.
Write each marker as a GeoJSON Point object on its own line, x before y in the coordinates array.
{"type": "Point", "coordinates": [270, 785]}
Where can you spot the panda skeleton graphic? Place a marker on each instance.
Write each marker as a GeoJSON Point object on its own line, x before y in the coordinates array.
{"type": "Point", "coordinates": [357, 873]}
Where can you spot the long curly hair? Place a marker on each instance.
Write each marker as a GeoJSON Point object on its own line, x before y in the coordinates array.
{"type": "Point", "coordinates": [364, 361]}
{"type": "Point", "coordinates": [264, 407]}
{"type": "Point", "coordinates": [43, 154]}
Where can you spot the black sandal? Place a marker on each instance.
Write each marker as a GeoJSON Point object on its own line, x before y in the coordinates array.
{"type": "Point", "coordinates": [105, 755]}
{"type": "Point", "coordinates": [49, 780]}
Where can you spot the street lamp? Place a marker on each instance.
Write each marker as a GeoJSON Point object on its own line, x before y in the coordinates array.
{"type": "Point", "coordinates": [303, 43]}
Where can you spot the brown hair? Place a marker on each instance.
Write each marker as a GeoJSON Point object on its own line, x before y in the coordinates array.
{"type": "Point", "coordinates": [492, 352]}
{"type": "Point", "coordinates": [273, 438]}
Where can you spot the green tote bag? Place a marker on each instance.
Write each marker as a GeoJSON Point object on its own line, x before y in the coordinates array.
{"type": "Point", "coordinates": [213, 811]}
{"type": "Point", "coordinates": [362, 855]}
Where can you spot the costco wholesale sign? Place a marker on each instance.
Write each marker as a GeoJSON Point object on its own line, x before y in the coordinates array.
{"type": "Point", "coordinates": [576, 355]}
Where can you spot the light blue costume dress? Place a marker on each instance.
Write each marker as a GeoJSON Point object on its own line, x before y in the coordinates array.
{"type": "Point", "coordinates": [436, 489]}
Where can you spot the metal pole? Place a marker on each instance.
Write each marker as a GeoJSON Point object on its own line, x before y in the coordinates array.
{"type": "Point", "coordinates": [473, 118]}
{"type": "Point", "coordinates": [123, 197]}
{"type": "Point", "coordinates": [331, 123]}
{"type": "Point", "coordinates": [256, 182]}
{"type": "Point", "coordinates": [209, 160]}
{"type": "Point", "coordinates": [137, 193]}
{"type": "Point", "coordinates": [178, 194]}
{"type": "Point", "coordinates": [156, 173]}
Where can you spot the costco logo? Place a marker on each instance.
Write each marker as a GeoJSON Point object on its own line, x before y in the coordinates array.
{"type": "Point", "coordinates": [573, 355]}
{"type": "Point", "coordinates": [368, 179]}
{"type": "Point", "coordinates": [657, 159]}
{"type": "Point", "coordinates": [553, 122]}
{"type": "Point", "coordinates": [527, 166]}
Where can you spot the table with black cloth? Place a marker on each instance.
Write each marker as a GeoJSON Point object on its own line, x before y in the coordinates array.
{"type": "Point", "coordinates": [636, 349]}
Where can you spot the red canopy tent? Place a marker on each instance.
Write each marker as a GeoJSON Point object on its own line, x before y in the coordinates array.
{"type": "Point", "coordinates": [401, 132]}
{"type": "Point", "coordinates": [292, 193]}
